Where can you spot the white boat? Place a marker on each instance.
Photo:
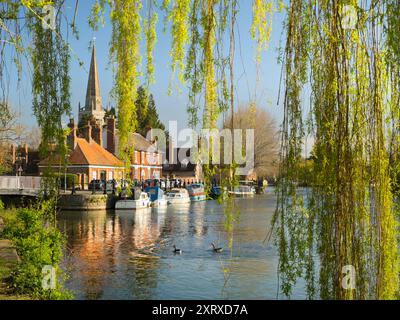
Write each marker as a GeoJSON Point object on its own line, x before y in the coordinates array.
{"type": "Point", "coordinates": [157, 197]}
{"type": "Point", "coordinates": [196, 192]}
{"type": "Point", "coordinates": [140, 202]}
{"type": "Point", "coordinates": [178, 196]}
{"type": "Point", "coordinates": [243, 191]}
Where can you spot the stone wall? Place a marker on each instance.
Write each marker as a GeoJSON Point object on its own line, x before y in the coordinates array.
{"type": "Point", "coordinates": [87, 202]}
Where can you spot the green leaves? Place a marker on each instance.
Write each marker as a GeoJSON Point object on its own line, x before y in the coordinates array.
{"type": "Point", "coordinates": [347, 217]}
{"type": "Point", "coordinates": [39, 243]}
{"type": "Point", "coordinates": [125, 53]}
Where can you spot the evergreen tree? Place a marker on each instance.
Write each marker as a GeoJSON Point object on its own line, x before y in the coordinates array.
{"type": "Point", "coordinates": [147, 115]}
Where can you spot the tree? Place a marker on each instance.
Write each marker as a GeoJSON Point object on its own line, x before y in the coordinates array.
{"type": "Point", "coordinates": [147, 115]}
{"type": "Point", "coordinates": [265, 137]}
{"type": "Point", "coordinates": [8, 124]}
{"type": "Point", "coordinates": [9, 133]}
{"type": "Point", "coordinates": [34, 137]}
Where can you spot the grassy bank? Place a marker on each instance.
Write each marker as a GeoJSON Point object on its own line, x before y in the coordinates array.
{"type": "Point", "coordinates": [33, 235]}
{"type": "Point", "coordinates": [7, 262]}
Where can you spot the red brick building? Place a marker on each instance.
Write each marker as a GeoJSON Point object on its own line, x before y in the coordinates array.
{"type": "Point", "coordinates": [146, 161]}
{"type": "Point", "coordinates": [88, 160]}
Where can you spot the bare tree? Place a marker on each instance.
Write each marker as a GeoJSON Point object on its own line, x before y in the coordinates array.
{"type": "Point", "coordinates": [34, 137]}
{"type": "Point", "coordinates": [266, 137]}
{"type": "Point", "coordinates": [8, 121]}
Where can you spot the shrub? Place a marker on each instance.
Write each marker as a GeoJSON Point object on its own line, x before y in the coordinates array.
{"type": "Point", "coordinates": [38, 243]}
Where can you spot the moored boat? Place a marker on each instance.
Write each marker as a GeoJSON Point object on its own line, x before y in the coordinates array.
{"type": "Point", "coordinates": [139, 200]}
{"type": "Point", "coordinates": [157, 197]}
{"type": "Point", "coordinates": [243, 191]}
{"type": "Point", "coordinates": [178, 196]}
{"type": "Point", "coordinates": [196, 192]}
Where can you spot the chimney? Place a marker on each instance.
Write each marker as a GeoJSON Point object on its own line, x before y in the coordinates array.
{"type": "Point", "coordinates": [111, 134]}
{"type": "Point", "coordinates": [26, 151]}
{"type": "Point", "coordinates": [71, 140]}
{"type": "Point", "coordinates": [87, 132]}
{"type": "Point", "coordinates": [13, 153]}
{"type": "Point", "coordinates": [97, 133]}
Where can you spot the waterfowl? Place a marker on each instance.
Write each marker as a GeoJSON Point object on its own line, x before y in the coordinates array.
{"type": "Point", "coordinates": [215, 249]}
{"type": "Point", "coordinates": [177, 251]}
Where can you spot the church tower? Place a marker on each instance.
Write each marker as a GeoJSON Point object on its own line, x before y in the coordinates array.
{"type": "Point", "coordinates": [93, 107]}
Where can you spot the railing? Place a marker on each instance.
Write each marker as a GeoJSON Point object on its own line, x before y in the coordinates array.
{"type": "Point", "coordinates": [105, 187]}
{"type": "Point", "coordinates": [20, 182]}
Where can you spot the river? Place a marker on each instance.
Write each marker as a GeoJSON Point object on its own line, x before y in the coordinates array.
{"type": "Point", "coordinates": [129, 255]}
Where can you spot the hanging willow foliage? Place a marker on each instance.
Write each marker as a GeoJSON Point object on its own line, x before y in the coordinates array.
{"type": "Point", "coordinates": [349, 215]}
{"type": "Point", "coordinates": [210, 85]}
{"type": "Point", "coordinates": [151, 39]}
{"type": "Point", "coordinates": [50, 62]}
{"type": "Point", "coordinates": [194, 71]}
{"type": "Point", "coordinates": [392, 60]}
{"type": "Point", "coordinates": [125, 53]}
{"type": "Point", "coordinates": [261, 27]}
{"type": "Point", "coordinates": [51, 80]}
{"type": "Point", "coordinates": [179, 15]}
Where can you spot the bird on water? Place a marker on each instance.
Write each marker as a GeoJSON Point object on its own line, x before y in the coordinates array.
{"type": "Point", "coordinates": [215, 249]}
{"type": "Point", "coordinates": [177, 251]}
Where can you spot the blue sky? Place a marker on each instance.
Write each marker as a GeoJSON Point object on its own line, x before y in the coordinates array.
{"type": "Point", "coordinates": [169, 107]}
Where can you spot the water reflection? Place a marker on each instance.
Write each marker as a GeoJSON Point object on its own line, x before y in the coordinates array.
{"type": "Point", "coordinates": [129, 255]}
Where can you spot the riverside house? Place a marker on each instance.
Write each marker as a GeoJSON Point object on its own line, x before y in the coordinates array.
{"type": "Point", "coordinates": [88, 160]}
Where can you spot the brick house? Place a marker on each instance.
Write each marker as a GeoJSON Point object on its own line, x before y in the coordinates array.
{"type": "Point", "coordinates": [146, 161]}
{"type": "Point", "coordinates": [88, 160]}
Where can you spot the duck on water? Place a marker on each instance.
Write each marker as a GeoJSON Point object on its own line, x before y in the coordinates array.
{"type": "Point", "coordinates": [177, 251]}
{"type": "Point", "coordinates": [215, 249]}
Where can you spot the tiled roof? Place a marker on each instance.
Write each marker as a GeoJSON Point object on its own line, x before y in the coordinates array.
{"type": "Point", "coordinates": [139, 142]}
{"type": "Point", "coordinates": [92, 153]}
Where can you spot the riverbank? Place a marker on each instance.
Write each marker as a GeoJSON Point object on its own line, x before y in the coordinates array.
{"type": "Point", "coordinates": [8, 261]}
{"type": "Point", "coordinates": [86, 201]}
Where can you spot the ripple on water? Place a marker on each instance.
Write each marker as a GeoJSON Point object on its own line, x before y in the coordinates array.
{"type": "Point", "coordinates": [127, 255]}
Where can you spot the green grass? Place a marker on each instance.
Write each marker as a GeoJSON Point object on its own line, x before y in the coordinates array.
{"type": "Point", "coordinates": [7, 214]}
{"type": "Point", "coordinates": [5, 266]}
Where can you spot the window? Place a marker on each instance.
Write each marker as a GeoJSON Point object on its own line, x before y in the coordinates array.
{"type": "Point", "coordinates": [156, 174]}
{"type": "Point", "coordinates": [94, 175]}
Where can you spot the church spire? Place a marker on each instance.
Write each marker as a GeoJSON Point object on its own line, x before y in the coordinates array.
{"type": "Point", "coordinates": [93, 108]}
{"type": "Point", "coordinates": [93, 97]}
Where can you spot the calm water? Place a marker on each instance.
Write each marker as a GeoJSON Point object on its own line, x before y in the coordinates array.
{"type": "Point", "coordinates": [128, 255]}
